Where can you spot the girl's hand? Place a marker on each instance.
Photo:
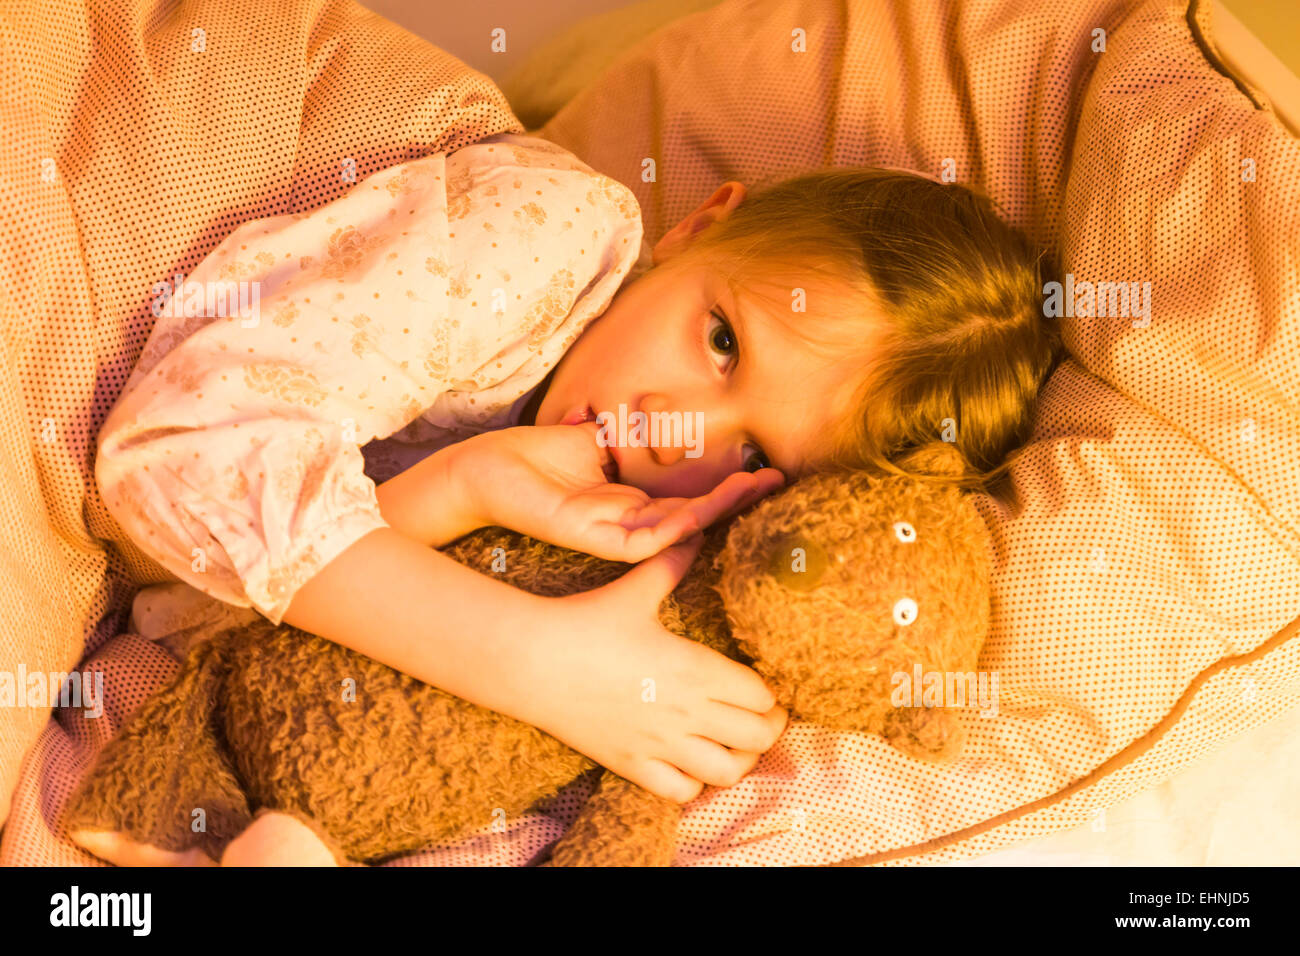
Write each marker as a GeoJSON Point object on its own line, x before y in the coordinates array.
{"type": "Point", "coordinates": [550, 482]}
{"type": "Point", "coordinates": [664, 712]}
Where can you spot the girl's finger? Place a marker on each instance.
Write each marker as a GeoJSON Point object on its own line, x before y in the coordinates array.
{"type": "Point", "coordinates": [733, 493]}
{"type": "Point", "coordinates": [655, 577]}
{"type": "Point", "coordinates": [708, 508]}
{"type": "Point", "coordinates": [642, 542]}
{"type": "Point", "coordinates": [649, 515]}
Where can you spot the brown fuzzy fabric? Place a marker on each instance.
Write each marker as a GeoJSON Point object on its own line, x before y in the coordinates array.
{"type": "Point", "coordinates": [826, 639]}
{"type": "Point", "coordinates": [620, 825]}
{"type": "Point", "coordinates": [258, 716]}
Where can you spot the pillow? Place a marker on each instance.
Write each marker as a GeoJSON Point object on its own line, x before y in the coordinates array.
{"type": "Point", "coordinates": [1145, 591]}
{"type": "Point", "coordinates": [109, 185]}
{"type": "Point", "coordinates": [1208, 178]}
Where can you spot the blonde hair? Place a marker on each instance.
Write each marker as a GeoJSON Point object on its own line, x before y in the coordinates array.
{"type": "Point", "coordinates": [965, 345]}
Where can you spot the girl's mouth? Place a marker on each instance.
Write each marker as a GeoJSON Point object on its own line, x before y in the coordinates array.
{"type": "Point", "coordinates": [586, 413]}
{"type": "Point", "coordinates": [579, 415]}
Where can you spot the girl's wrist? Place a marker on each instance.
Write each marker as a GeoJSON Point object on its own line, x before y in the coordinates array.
{"type": "Point", "coordinates": [432, 501]}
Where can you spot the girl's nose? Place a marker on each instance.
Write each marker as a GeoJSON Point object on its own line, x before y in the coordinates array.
{"type": "Point", "coordinates": [667, 452]}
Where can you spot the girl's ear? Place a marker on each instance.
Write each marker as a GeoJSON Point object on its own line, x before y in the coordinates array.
{"type": "Point", "coordinates": [714, 209]}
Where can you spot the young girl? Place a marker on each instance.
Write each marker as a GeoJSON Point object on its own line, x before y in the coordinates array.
{"type": "Point", "coordinates": [851, 318]}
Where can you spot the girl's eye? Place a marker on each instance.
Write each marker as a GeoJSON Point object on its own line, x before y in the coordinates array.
{"type": "Point", "coordinates": [755, 460]}
{"type": "Point", "coordinates": [721, 339]}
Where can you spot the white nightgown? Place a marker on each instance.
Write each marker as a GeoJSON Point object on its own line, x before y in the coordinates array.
{"type": "Point", "coordinates": [421, 307]}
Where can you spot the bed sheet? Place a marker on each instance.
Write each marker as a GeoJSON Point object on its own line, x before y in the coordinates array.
{"type": "Point", "coordinates": [1233, 807]}
{"type": "Point", "coordinates": [1236, 807]}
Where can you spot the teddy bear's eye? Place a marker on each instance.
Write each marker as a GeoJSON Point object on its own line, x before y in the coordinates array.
{"type": "Point", "coordinates": [905, 612]}
{"type": "Point", "coordinates": [904, 532]}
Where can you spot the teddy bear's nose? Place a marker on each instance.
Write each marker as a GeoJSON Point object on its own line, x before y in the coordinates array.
{"type": "Point", "coordinates": [797, 561]}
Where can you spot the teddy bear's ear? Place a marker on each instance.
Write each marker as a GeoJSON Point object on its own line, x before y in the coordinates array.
{"type": "Point", "coordinates": [932, 734]}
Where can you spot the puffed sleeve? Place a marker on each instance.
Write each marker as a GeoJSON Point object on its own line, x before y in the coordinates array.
{"type": "Point", "coordinates": [232, 456]}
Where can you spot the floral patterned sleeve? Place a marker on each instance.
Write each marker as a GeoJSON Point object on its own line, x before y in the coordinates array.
{"type": "Point", "coordinates": [444, 287]}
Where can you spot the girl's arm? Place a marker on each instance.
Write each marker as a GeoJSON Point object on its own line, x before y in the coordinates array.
{"type": "Point", "coordinates": [427, 502]}
{"type": "Point", "coordinates": [232, 457]}
{"type": "Point", "coordinates": [405, 605]}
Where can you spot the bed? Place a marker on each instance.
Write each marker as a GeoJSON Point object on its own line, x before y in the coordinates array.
{"type": "Point", "coordinates": [1154, 674]}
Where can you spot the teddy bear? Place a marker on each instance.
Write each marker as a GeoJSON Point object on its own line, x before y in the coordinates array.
{"type": "Point", "coordinates": [830, 588]}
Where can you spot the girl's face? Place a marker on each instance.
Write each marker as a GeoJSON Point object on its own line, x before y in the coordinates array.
{"type": "Point", "coordinates": [749, 393]}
